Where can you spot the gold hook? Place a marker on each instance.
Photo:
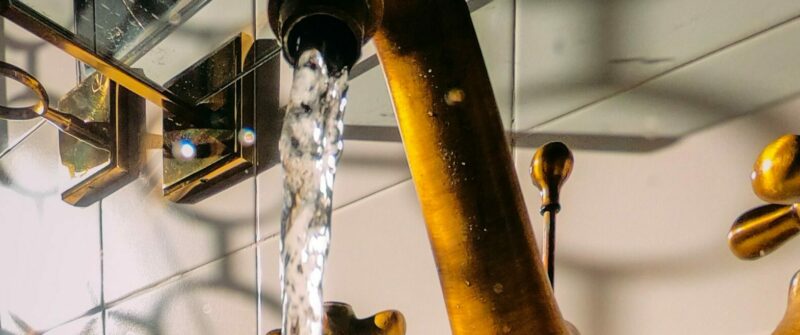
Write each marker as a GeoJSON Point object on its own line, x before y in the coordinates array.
{"type": "Point", "coordinates": [776, 173]}
{"type": "Point", "coordinates": [762, 230]}
{"type": "Point", "coordinates": [93, 134]}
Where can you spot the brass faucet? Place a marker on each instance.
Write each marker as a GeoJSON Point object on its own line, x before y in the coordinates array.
{"type": "Point", "coordinates": [489, 267]}
{"type": "Point", "coordinates": [755, 234]}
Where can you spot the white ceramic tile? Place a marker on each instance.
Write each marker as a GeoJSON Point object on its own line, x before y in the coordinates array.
{"type": "Point", "coordinates": [49, 251]}
{"type": "Point", "coordinates": [92, 325]}
{"type": "Point", "coordinates": [571, 53]}
{"type": "Point", "coordinates": [218, 298]}
{"type": "Point", "coordinates": [742, 79]}
{"type": "Point", "coordinates": [148, 238]}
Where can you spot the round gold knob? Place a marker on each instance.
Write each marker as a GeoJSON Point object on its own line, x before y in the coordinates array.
{"type": "Point", "coordinates": [762, 230]}
{"type": "Point", "coordinates": [776, 173]}
{"type": "Point", "coordinates": [550, 167]}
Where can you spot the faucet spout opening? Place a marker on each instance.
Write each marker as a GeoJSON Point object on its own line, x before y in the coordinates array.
{"type": "Point", "coordinates": [337, 29]}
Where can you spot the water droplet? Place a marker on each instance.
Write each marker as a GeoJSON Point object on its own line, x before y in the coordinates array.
{"type": "Point", "coordinates": [175, 19]}
{"type": "Point", "coordinates": [454, 96]}
{"type": "Point", "coordinates": [247, 137]}
{"type": "Point", "coordinates": [506, 329]}
{"type": "Point", "coordinates": [466, 282]}
{"type": "Point", "coordinates": [430, 70]}
{"type": "Point", "coordinates": [498, 288]}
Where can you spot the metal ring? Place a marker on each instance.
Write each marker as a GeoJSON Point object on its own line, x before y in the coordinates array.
{"type": "Point", "coordinates": [24, 78]}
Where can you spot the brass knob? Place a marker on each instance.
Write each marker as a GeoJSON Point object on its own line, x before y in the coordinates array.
{"type": "Point", "coordinates": [776, 173]}
{"type": "Point", "coordinates": [550, 167]}
{"type": "Point", "coordinates": [790, 325]}
{"type": "Point", "coordinates": [762, 230]}
{"type": "Point", "coordinates": [341, 320]}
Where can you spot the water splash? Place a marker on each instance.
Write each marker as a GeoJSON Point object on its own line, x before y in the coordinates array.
{"type": "Point", "coordinates": [310, 146]}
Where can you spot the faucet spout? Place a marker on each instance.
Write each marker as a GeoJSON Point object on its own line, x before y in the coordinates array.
{"type": "Point", "coordinates": [337, 28]}
{"type": "Point", "coordinates": [489, 267]}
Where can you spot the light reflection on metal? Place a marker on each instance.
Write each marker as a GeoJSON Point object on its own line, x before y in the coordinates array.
{"type": "Point", "coordinates": [760, 231]}
{"type": "Point", "coordinates": [224, 150]}
{"type": "Point", "coordinates": [776, 172]}
{"type": "Point", "coordinates": [341, 320]}
{"type": "Point", "coordinates": [247, 137]}
{"type": "Point", "coordinates": [461, 165]}
{"type": "Point", "coordinates": [550, 167]}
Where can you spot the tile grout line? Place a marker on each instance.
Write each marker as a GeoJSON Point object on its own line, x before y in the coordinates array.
{"type": "Point", "coordinates": [102, 270]}
{"type": "Point", "coordinates": [527, 132]}
{"type": "Point", "coordinates": [256, 197]}
{"type": "Point", "coordinates": [19, 141]}
{"type": "Point", "coordinates": [175, 277]}
{"type": "Point", "coordinates": [258, 243]}
{"type": "Point", "coordinates": [514, 76]}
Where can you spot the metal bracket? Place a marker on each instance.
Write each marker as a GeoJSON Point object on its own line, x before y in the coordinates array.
{"type": "Point", "coordinates": [230, 85]}
{"type": "Point", "coordinates": [100, 100]}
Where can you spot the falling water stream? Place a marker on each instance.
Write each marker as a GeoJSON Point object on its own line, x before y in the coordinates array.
{"type": "Point", "coordinates": [310, 146]}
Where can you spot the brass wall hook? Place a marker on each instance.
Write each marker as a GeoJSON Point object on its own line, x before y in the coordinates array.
{"type": "Point", "coordinates": [341, 320]}
{"type": "Point", "coordinates": [776, 172]}
{"type": "Point", "coordinates": [550, 167]}
{"type": "Point", "coordinates": [92, 133]}
{"type": "Point", "coordinates": [111, 144]}
{"type": "Point", "coordinates": [762, 230]}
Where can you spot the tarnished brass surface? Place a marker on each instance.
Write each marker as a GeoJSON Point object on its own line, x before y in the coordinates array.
{"type": "Point", "coordinates": [489, 267]}
{"type": "Point", "coordinates": [88, 101]}
{"type": "Point", "coordinates": [790, 325]}
{"type": "Point", "coordinates": [341, 320]}
{"type": "Point", "coordinates": [762, 230]}
{"type": "Point", "coordinates": [126, 127]}
{"type": "Point", "coordinates": [776, 173]}
{"type": "Point", "coordinates": [550, 167]}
